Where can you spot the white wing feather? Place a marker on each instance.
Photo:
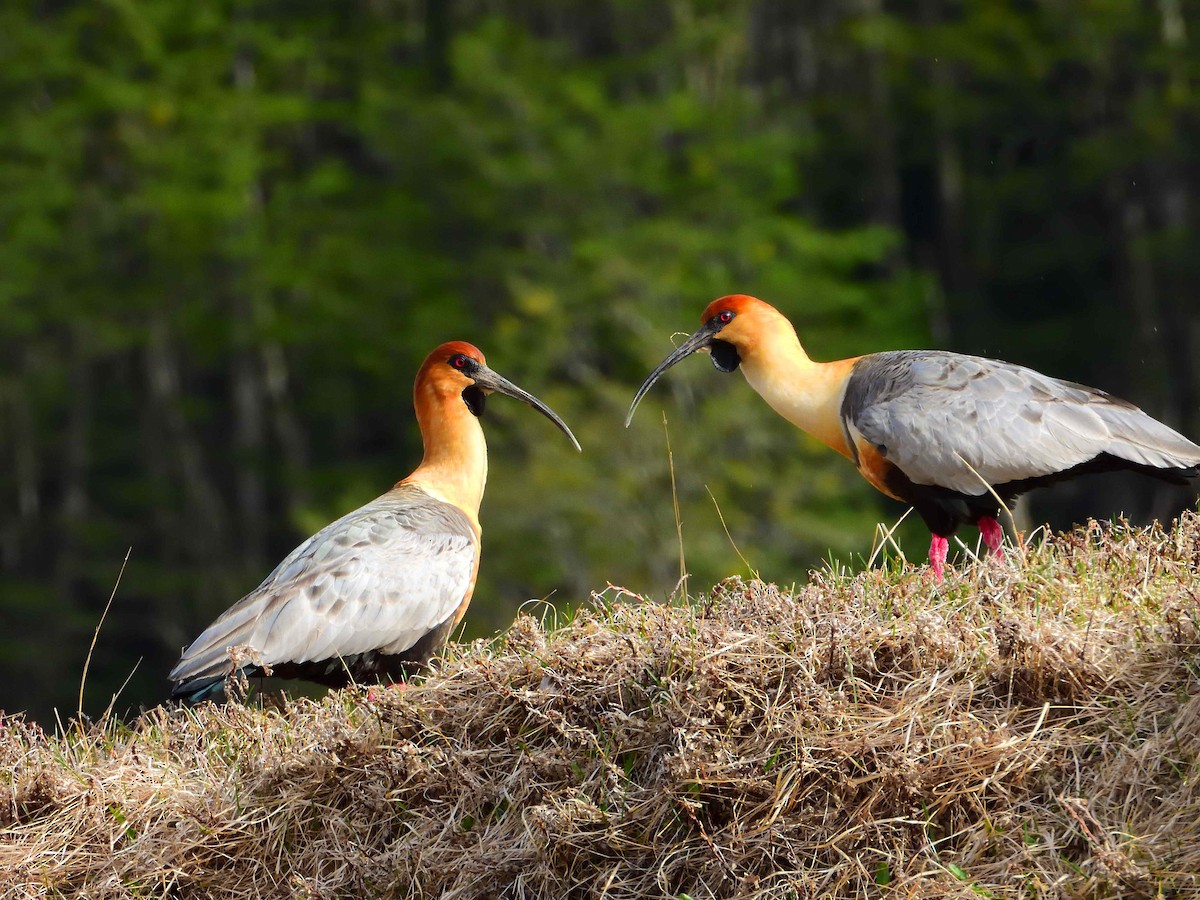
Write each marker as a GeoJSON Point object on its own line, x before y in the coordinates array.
{"type": "Point", "coordinates": [379, 578]}
{"type": "Point", "coordinates": [938, 415]}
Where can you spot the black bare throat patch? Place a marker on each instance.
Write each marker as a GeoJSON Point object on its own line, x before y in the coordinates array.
{"type": "Point", "coordinates": [474, 398]}
{"type": "Point", "coordinates": [724, 355]}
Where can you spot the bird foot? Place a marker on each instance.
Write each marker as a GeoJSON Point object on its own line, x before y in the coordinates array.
{"type": "Point", "coordinates": [939, 547]}
{"type": "Point", "coordinates": [993, 535]}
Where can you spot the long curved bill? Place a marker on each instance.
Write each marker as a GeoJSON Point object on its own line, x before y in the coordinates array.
{"type": "Point", "coordinates": [697, 341]}
{"type": "Point", "coordinates": [492, 381]}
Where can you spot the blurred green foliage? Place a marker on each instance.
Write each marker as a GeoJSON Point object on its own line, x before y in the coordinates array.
{"type": "Point", "coordinates": [232, 230]}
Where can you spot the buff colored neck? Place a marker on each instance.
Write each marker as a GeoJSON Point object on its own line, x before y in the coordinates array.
{"type": "Point", "coordinates": [454, 468]}
{"type": "Point", "coordinates": [805, 392]}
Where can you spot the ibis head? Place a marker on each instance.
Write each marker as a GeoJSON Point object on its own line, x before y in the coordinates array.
{"type": "Point", "coordinates": [457, 370]}
{"type": "Point", "coordinates": [733, 330]}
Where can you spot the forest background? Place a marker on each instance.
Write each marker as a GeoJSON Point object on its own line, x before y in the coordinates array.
{"type": "Point", "coordinates": [232, 230]}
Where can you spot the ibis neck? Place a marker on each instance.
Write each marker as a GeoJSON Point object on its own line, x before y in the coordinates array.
{"type": "Point", "coordinates": [454, 468]}
{"type": "Point", "coordinates": [805, 392]}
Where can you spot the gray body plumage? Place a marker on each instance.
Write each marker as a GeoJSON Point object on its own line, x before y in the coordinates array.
{"type": "Point", "coordinates": [936, 416]}
{"type": "Point", "coordinates": [377, 588]}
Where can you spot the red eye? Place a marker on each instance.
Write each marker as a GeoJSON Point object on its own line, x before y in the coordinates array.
{"type": "Point", "coordinates": [459, 362]}
{"type": "Point", "coordinates": [725, 316]}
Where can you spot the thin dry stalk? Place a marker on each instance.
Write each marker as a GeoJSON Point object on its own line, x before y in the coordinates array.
{"type": "Point", "coordinates": [87, 662]}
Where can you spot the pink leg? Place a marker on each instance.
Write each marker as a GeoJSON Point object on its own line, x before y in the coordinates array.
{"type": "Point", "coordinates": [398, 685]}
{"type": "Point", "coordinates": [993, 535]}
{"type": "Point", "coordinates": [938, 548]}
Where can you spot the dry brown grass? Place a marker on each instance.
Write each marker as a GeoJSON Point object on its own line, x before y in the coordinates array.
{"type": "Point", "coordinates": [1024, 730]}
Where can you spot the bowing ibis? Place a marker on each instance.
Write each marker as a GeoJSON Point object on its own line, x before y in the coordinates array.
{"type": "Point", "coordinates": [376, 593]}
{"type": "Point", "coordinates": [949, 434]}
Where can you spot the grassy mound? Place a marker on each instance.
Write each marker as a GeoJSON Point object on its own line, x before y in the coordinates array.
{"type": "Point", "coordinates": [1029, 728]}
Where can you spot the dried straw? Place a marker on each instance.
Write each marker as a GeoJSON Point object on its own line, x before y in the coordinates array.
{"type": "Point", "coordinates": [1026, 729]}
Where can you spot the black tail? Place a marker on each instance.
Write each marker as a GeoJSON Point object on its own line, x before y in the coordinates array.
{"type": "Point", "coordinates": [1105, 462]}
{"type": "Point", "coordinates": [197, 690]}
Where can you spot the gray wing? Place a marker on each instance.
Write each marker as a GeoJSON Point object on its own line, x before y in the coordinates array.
{"type": "Point", "coordinates": [378, 578]}
{"type": "Point", "coordinates": [928, 411]}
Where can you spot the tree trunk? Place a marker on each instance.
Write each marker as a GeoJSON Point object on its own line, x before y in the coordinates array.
{"type": "Point", "coordinates": [885, 196]}
{"type": "Point", "coordinates": [958, 285]}
{"type": "Point", "coordinates": [199, 530]}
{"type": "Point", "coordinates": [290, 436]}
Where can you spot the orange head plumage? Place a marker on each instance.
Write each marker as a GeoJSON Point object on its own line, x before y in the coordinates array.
{"type": "Point", "coordinates": [746, 324]}
{"type": "Point", "coordinates": [444, 378]}
{"type": "Point", "coordinates": [457, 370]}
{"type": "Point", "coordinates": [449, 395]}
{"type": "Point", "coordinates": [733, 330]}
{"type": "Point", "coordinates": [735, 303]}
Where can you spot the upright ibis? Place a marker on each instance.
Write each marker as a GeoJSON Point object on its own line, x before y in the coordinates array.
{"type": "Point", "coordinates": [949, 434]}
{"type": "Point", "coordinates": [377, 592]}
